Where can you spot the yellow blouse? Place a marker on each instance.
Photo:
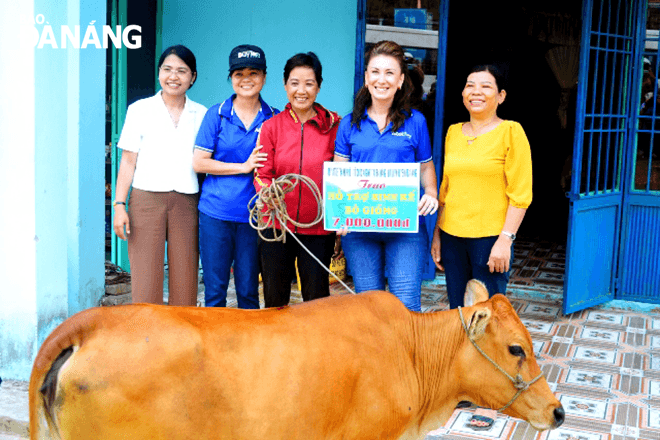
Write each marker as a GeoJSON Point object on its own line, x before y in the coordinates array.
{"type": "Point", "coordinates": [483, 178]}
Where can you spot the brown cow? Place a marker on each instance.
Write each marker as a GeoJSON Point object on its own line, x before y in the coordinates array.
{"type": "Point", "coordinates": [344, 367]}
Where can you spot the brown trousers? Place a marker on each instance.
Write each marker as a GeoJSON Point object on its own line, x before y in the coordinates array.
{"type": "Point", "coordinates": [157, 217]}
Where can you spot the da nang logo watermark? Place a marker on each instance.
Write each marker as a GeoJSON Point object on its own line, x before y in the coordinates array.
{"type": "Point", "coordinates": [43, 35]}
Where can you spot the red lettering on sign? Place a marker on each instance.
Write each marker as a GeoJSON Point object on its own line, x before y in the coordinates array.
{"type": "Point", "coordinates": [365, 184]}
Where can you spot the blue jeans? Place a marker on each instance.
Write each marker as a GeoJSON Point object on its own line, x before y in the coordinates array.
{"type": "Point", "coordinates": [465, 259]}
{"type": "Point", "coordinates": [401, 257]}
{"type": "Point", "coordinates": [222, 243]}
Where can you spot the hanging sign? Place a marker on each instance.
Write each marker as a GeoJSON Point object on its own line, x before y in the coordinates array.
{"type": "Point", "coordinates": [373, 197]}
{"type": "Point", "coordinates": [410, 18]}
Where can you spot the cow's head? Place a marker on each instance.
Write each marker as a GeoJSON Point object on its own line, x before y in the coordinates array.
{"type": "Point", "coordinates": [508, 354]}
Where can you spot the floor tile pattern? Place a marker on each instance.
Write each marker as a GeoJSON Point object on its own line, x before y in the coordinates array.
{"type": "Point", "coordinates": [538, 263]}
{"type": "Point", "coordinates": [604, 366]}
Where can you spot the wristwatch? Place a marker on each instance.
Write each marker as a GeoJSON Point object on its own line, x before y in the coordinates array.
{"type": "Point", "coordinates": [115, 203]}
{"type": "Point", "coordinates": [511, 235]}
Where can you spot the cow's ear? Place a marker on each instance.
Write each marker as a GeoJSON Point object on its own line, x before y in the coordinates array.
{"type": "Point", "coordinates": [478, 323]}
{"type": "Point", "coordinates": [475, 292]}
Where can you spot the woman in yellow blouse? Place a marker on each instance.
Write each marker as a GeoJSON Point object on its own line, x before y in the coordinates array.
{"type": "Point", "coordinates": [485, 191]}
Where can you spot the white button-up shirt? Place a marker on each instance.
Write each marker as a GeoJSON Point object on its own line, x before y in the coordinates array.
{"type": "Point", "coordinates": [165, 152]}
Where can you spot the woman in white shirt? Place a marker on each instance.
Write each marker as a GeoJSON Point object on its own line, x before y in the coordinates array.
{"type": "Point", "coordinates": [157, 143]}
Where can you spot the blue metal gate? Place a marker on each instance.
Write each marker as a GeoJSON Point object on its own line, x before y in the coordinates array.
{"type": "Point", "coordinates": [602, 133]}
{"type": "Point", "coordinates": [639, 265]}
{"type": "Point", "coordinates": [613, 248]}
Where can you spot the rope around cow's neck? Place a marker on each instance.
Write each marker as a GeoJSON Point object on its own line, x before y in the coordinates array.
{"type": "Point", "coordinates": [269, 208]}
{"type": "Point", "coordinates": [518, 382]}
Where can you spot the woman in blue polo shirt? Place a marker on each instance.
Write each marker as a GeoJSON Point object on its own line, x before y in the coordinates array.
{"type": "Point", "coordinates": [225, 150]}
{"type": "Point", "coordinates": [384, 129]}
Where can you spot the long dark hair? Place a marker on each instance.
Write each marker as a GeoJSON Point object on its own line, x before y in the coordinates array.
{"type": "Point", "coordinates": [400, 108]}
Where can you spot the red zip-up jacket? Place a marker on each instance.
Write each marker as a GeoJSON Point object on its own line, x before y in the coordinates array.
{"type": "Point", "coordinates": [297, 148]}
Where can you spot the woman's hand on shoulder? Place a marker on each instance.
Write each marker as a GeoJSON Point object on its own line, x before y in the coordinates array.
{"type": "Point", "coordinates": [255, 160]}
{"type": "Point", "coordinates": [427, 205]}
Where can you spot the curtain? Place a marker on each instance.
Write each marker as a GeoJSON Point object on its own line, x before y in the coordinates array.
{"type": "Point", "coordinates": [564, 62]}
{"type": "Point", "coordinates": [562, 31]}
{"type": "Point", "coordinates": [554, 28]}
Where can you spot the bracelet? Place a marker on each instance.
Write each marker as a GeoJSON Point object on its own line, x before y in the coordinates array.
{"type": "Point", "coordinates": [115, 203]}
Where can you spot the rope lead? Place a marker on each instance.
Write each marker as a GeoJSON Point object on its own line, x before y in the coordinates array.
{"type": "Point", "coordinates": [269, 209]}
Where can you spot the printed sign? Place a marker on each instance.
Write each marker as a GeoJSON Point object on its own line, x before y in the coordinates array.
{"type": "Point", "coordinates": [373, 197]}
{"type": "Point", "coordinates": [410, 18]}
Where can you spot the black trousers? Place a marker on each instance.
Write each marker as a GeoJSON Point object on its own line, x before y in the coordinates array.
{"type": "Point", "coordinates": [278, 267]}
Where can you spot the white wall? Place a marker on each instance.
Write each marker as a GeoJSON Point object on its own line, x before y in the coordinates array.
{"type": "Point", "coordinates": [17, 192]}
{"type": "Point", "coordinates": [52, 121]}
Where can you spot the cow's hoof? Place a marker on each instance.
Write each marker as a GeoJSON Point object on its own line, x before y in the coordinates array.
{"type": "Point", "coordinates": [464, 404]}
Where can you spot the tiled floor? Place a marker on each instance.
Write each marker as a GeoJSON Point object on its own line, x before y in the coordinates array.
{"type": "Point", "coordinates": [539, 264]}
{"type": "Point", "coordinates": [603, 363]}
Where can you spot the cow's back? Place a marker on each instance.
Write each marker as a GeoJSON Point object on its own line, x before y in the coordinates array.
{"type": "Point", "coordinates": [224, 373]}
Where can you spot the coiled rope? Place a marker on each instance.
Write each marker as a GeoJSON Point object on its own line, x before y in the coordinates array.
{"type": "Point", "coordinates": [269, 209]}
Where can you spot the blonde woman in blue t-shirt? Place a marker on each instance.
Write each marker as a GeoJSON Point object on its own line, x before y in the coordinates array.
{"type": "Point", "coordinates": [384, 128]}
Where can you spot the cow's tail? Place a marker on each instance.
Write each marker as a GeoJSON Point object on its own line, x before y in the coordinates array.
{"type": "Point", "coordinates": [44, 393]}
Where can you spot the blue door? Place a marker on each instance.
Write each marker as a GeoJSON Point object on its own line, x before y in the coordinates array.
{"type": "Point", "coordinates": [117, 95]}
{"type": "Point", "coordinates": [125, 88]}
{"type": "Point", "coordinates": [602, 138]}
{"type": "Point", "coordinates": [639, 264]}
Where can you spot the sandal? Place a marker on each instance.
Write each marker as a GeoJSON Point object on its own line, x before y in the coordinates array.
{"type": "Point", "coordinates": [482, 420]}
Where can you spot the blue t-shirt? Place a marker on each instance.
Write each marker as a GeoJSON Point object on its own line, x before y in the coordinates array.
{"type": "Point", "coordinates": [409, 144]}
{"type": "Point", "coordinates": [223, 134]}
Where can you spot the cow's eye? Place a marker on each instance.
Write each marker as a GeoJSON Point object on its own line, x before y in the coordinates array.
{"type": "Point", "coordinates": [517, 350]}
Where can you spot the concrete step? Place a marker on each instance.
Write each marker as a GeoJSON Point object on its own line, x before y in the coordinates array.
{"type": "Point", "coordinates": [14, 411]}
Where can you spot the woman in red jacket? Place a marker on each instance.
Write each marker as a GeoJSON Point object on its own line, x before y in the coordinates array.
{"type": "Point", "coordinates": [298, 141]}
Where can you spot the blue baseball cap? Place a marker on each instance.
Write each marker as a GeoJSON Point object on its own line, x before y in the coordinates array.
{"type": "Point", "coordinates": [247, 55]}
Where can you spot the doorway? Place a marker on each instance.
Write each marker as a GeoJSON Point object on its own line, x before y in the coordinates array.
{"type": "Point", "coordinates": [130, 76]}
{"type": "Point", "coordinates": [526, 40]}
{"type": "Point", "coordinates": [536, 44]}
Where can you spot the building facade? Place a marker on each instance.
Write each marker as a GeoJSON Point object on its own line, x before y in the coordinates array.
{"type": "Point", "coordinates": [582, 82]}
